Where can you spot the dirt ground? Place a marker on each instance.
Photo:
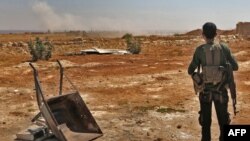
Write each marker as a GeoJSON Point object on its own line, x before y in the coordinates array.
{"type": "Point", "coordinates": [145, 97]}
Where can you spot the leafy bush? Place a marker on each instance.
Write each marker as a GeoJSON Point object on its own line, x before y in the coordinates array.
{"type": "Point", "coordinates": [133, 46]}
{"type": "Point", "coordinates": [40, 50]}
{"type": "Point", "coordinates": [128, 37]}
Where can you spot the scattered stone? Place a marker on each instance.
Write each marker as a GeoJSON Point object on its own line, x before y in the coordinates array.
{"type": "Point", "coordinates": [9, 44]}
{"type": "Point", "coordinates": [15, 44]}
{"type": "Point", "coordinates": [158, 139]}
{"type": "Point", "coordinates": [179, 126]}
{"type": "Point", "coordinates": [139, 122]}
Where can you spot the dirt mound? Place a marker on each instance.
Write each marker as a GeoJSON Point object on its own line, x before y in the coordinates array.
{"type": "Point", "coordinates": [226, 32]}
{"type": "Point", "coordinates": [195, 32]}
{"type": "Point", "coordinates": [198, 32]}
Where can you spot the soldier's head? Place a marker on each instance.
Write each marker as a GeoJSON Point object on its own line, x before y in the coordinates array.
{"type": "Point", "coordinates": [209, 30]}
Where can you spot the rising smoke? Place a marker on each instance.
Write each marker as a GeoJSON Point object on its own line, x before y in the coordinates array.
{"type": "Point", "coordinates": [51, 20]}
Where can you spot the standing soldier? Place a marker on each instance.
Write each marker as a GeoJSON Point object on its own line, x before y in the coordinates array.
{"type": "Point", "coordinates": [214, 60]}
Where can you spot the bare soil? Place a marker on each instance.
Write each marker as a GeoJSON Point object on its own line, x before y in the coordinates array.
{"type": "Point", "coordinates": [145, 97]}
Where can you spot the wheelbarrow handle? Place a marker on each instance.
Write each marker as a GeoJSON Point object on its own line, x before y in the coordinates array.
{"type": "Point", "coordinates": [34, 69]}
{"type": "Point", "coordinates": [61, 77]}
{"type": "Point", "coordinates": [39, 94]}
{"type": "Point", "coordinates": [59, 63]}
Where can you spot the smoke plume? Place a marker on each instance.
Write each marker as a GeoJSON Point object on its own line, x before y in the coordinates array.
{"type": "Point", "coordinates": [51, 20]}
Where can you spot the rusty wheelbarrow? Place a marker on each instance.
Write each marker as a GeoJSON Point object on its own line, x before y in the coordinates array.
{"type": "Point", "coordinates": [67, 116]}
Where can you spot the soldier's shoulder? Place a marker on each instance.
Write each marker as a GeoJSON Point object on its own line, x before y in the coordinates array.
{"type": "Point", "coordinates": [199, 50]}
{"type": "Point", "coordinates": [200, 47]}
{"type": "Point", "coordinates": [224, 46]}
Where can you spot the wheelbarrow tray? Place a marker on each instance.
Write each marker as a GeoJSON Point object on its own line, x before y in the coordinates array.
{"type": "Point", "coordinates": [69, 118]}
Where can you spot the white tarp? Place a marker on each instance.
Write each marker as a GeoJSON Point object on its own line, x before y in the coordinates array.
{"type": "Point", "coordinates": [104, 51]}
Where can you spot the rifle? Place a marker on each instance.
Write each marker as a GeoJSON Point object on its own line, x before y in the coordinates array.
{"type": "Point", "coordinates": [228, 78]}
{"type": "Point", "coordinates": [232, 86]}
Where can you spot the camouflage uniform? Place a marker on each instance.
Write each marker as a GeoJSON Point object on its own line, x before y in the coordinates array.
{"type": "Point", "coordinates": [208, 94]}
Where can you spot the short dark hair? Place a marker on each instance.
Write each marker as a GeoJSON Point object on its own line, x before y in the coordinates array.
{"type": "Point", "coordinates": [209, 30]}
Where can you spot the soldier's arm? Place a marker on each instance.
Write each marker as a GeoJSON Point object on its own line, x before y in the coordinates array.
{"type": "Point", "coordinates": [194, 63]}
{"type": "Point", "coordinates": [231, 58]}
{"type": "Point", "coordinates": [233, 62]}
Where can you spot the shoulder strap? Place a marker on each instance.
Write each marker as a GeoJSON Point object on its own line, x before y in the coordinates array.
{"type": "Point", "coordinates": [213, 54]}
{"type": "Point", "coordinates": [199, 68]}
{"type": "Point", "coordinates": [208, 54]}
{"type": "Point", "coordinates": [216, 54]}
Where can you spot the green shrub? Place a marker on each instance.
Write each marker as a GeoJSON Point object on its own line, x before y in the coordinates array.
{"type": "Point", "coordinates": [40, 50]}
{"type": "Point", "coordinates": [128, 37]}
{"type": "Point", "coordinates": [133, 45]}
{"type": "Point", "coordinates": [169, 110]}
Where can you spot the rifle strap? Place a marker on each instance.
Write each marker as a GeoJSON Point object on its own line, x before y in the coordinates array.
{"type": "Point", "coordinates": [199, 69]}
{"type": "Point", "coordinates": [213, 54]}
{"type": "Point", "coordinates": [224, 76]}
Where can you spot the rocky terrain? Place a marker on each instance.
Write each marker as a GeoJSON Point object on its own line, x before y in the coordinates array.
{"type": "Point", "coordinates": [145, 97]}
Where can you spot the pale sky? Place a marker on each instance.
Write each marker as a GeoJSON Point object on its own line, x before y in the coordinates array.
{"type": "Point", "coordinates": [128, 15]}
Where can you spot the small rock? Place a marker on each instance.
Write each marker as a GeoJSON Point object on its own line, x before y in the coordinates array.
{"type": "Point", "coordinates": [158, 139]}
{"type": "Point", "coordinates": [179, 126]}
{"type": "Point", "coordinates": [139, 122]}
